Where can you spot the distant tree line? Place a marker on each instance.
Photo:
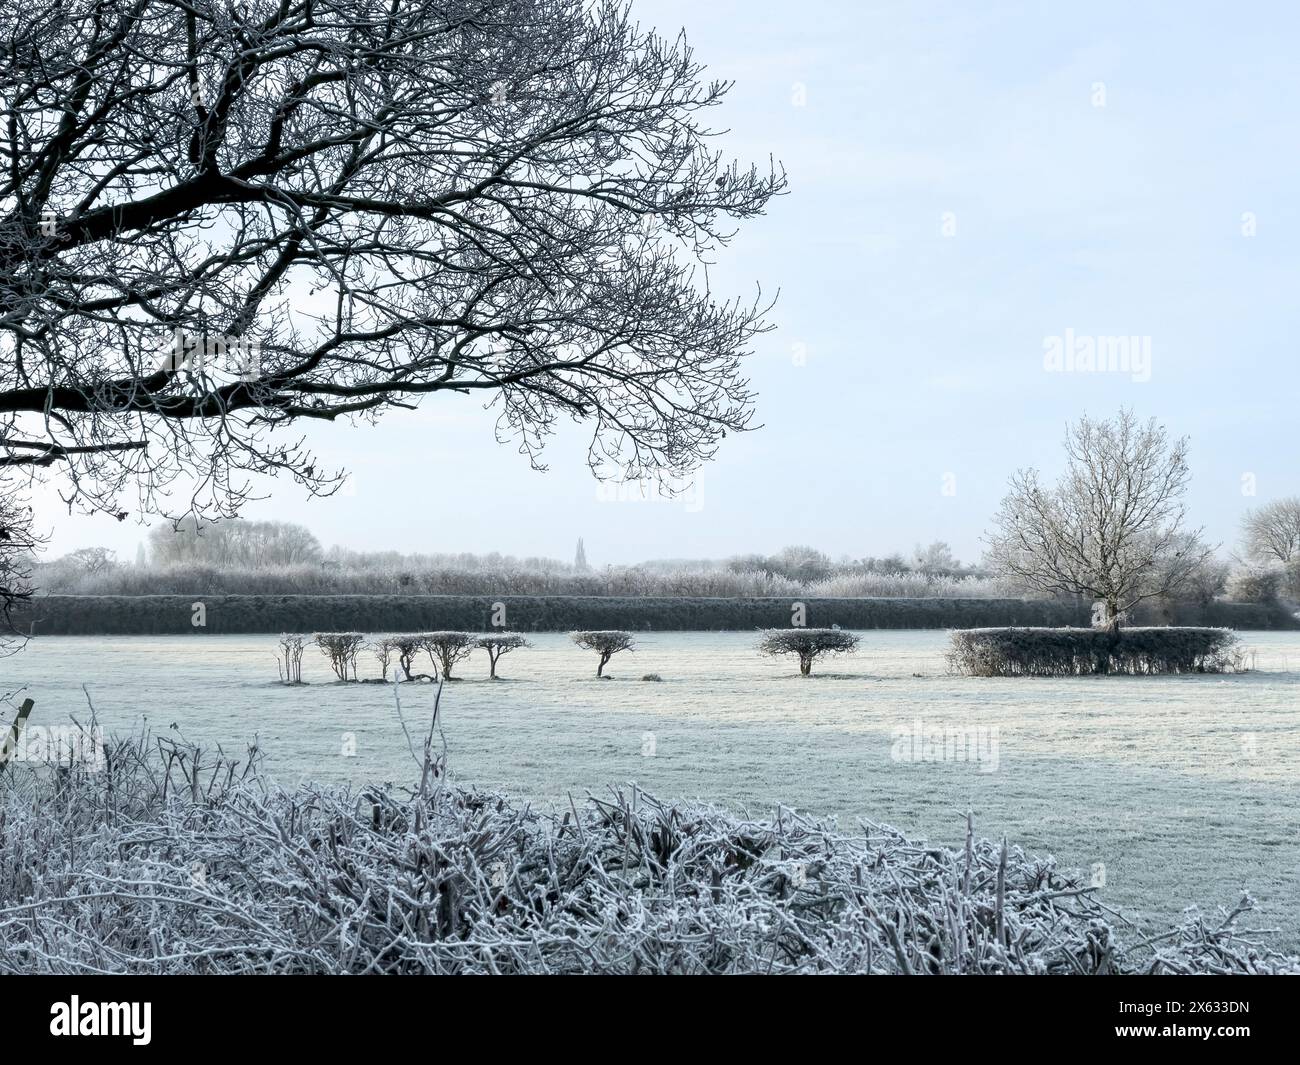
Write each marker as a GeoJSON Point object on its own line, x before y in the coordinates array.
{"type": "Point", "coordinates": [237, 557]}
{"type": "Point", "coordinates": [282, 558]}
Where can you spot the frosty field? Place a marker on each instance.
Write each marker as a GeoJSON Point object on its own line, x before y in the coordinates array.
{"type": "Point", "coordinates": [1183, 787]}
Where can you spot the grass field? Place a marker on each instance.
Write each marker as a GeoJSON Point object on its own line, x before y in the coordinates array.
{"type": "Point", "coordinates": [1183, 787]}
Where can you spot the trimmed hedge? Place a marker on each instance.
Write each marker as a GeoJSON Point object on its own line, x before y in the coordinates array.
{"type": "Point", "coordinates": [59, 615]}
{"type": "Point", "coordinates": [1038, 652]}
{"type": "Point", "coordinates": [107, 615]}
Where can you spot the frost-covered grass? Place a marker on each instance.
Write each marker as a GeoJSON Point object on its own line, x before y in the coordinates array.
{"type": "Point", "coordinates": [1183, 787]}
{"type": "Point", "coordinates": [164, 862]}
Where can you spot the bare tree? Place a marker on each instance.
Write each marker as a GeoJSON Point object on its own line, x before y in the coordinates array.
{"type": "Point", "coordinates": [1203, 582]}
{"type": "Point", "coordinates": [1271, 533]}
{"type": "Point", "coordinates": [341, 649]}
{"type": "Point", "coordinates": [605, 642]}
{"type": "Point", "coordinates": [807, 644]}
{"type": "Point", "coordinates": [220, 219]}
{"type": "Point", "coordinates": [405, 646]}
{"type": "Point", "coordinates": [1111, 528]}
{"type": "Point", "coordinates": [937, 558]}
{"type": "Point", "coordinates": [18, 541]}
{"type": "Point", "coordinates": [499, 643]}
{"type": "Point", "coordinates": [1256, 584]}
{"type": "Point", "coordinates": [289, 660]}
{"type": "Point", "coordinates": [446, 649]}
{"type": "Point", "coordinates": [233, 542]}
{"type": "Point", "coordinates": [90, 560]}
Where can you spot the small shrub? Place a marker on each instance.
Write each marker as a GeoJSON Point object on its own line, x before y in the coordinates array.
{"type": "Point", "coordinates": [653, 676]}
{"type": "Point", "coordinates": [447, 648]}
{"type": "Point", "coordinates": [341, 649]}
{"type": "Point", "coordinates": [808, 644]}
{"type": "Point", "coordinates": [289, 661]}
{"type": "Point", "coordinates": [497, 644]}
{"type": "Point", "coordinates": [605, 642]}
{"type": "Point", "coordinates": [405, 646]}
{"type": "Point", "coordinates": [1079, 652]}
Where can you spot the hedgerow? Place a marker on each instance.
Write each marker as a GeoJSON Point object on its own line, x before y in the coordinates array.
{"type": "Point", "coordinates": [1042, 652]}
{"type": "Point", "coordinates": [55, 615]}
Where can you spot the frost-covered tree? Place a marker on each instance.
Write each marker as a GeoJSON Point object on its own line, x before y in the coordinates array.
{"type": "Point", "coordinates": [1205, 581]}
{"type": "Point", "coordinates": [219, 220]}
{"type": "Point", "coordinates": [233, 543]}
{"type": "Point", "coordinates": [289, 660]}
{"type": "Point", "coordinates": [341, 649]}
{"type": "Point", "coordinates": [1112, 528]}
{"type": "Point", "coordinates": [1271, 533]}
{"type": "Point", "coordinates": [802, 563]}
{"type": "Point", "coordinates": [807, 644]}
{"type": "Point", "coordinates": [1255, 584]}
{"type": "Point", "coordinates": [580, 558]}
{"type": "Point", "coordinates": [89, 560]}
{"type": "Point", "coordinates": [605, 642]}
{"type": "Point", "coordinates": [18, 541]}
{"type": "Point", "coordinates": [406, 646]}
{"type": "Point", "coordinates": [446, 649]}
{"type": "Point", "coordinates": [937, 558]}
{"type": "Point", "coordinates": [497, 644]}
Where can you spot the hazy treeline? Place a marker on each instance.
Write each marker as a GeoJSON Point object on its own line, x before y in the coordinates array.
{"type": "Point", "coordinates": [247, 558]}
{"type": "Point", "coordinates": [279, 558]}
{"type": "Point", "coordinates": [196, 579]}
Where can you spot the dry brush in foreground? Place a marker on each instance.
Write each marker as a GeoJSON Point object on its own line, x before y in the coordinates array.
{"type": "Point", "coordinates": [173, 860]}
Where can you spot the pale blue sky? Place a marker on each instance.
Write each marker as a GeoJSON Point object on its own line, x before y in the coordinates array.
{"type": "Point", "coordinates": [924, 351]}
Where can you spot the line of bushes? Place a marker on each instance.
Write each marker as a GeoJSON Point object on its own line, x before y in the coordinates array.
{"type": "Point", "coordinates": [58, 615]}
{"type": "Point", "coordinates": [398, 651]}
{"type": "Point", "coordinates": [1071, 652]}
{"type": "Point", "coordinates": [446, 649]}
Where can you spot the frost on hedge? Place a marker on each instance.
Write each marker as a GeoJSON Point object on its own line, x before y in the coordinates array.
{"type": "Point", "coordinates": [168, 861]}
{"type": "Point", "coordinates": [341, 649]}
{"type": "Point", "coordinates": [447, 648]}
{"type": "Point", "coordinates": [1041, 652]}
{"type": "Point", "coordinates": [497, 644]}
{"type": "Point", "coordinates": [444, 649]}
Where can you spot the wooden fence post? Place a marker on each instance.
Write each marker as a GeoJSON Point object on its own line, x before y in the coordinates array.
{"type": "Point", "coordinates": [10, 744]}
